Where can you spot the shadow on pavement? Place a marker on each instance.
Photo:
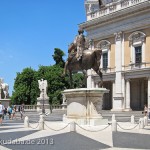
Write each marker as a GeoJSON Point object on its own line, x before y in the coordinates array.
{"type": "Point", "coordinates": [131, 140]}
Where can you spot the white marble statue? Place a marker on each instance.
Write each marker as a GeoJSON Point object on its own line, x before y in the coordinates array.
{"type": "Point", "coordinates": [64, 99]}
{"type": "Point", "coordinates": [43, 88]}
{"type": "Point", "coordinates": [5, 88]}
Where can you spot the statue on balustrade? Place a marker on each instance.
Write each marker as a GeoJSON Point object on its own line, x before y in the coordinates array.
{"type": "Point", "coordinates": [43, 88]}
{"type": "Point", "coordinates": [4, 87]}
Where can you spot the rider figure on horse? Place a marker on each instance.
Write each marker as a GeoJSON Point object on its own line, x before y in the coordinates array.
{"type": "Point", "coordinates": [80, 44]}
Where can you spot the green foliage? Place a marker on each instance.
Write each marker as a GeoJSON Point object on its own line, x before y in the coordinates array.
{"type": "Point", "coordinates": [78, 80]}
{"type": "Point", "coordinates": [26, 87]}
{"type": "Point", "coordinates": [56, 84]}
{"type": "Point", "coordinates": [58, 57]}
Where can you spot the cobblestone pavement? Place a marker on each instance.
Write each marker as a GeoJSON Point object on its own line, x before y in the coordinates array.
{"type": "Point", "coordinates": [13, 136]}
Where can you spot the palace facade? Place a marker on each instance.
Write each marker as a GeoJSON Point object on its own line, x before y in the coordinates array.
{"type": "Point", "coordinates": [122, 30]}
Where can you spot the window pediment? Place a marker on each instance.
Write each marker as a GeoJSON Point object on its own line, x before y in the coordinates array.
{"type": "Point", "coordinates": [103, 45]}
{"type": "Point", "coordinates": [137, 37]}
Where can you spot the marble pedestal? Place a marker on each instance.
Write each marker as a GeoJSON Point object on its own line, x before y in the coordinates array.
{"type": "Point", "coordinates": [84, 106]}
{"type": "Point", "coordinates": [40, 104]}
{"type": "Point", "coordinates": [5, 102]}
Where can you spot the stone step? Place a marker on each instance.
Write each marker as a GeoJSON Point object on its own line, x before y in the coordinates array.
{"type": "Point", "coordinates": [57, 115]}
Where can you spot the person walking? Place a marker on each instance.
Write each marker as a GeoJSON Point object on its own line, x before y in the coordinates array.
{"type": "Point", "coordinates": [9, 110]}
{"type": "Point", "coordinates": [21, 111]}
{"type": "Point", "coordinates": [5, 113]}
{"type": "Point", "coordinates": [14, 112]}
{"type": "Point", "coordinates": [1, 112]}
{"type": "Point", "coordinates": [145, 110]}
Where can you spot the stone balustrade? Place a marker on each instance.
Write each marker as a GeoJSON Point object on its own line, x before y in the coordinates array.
{"type": "Point", "coordinates": [34, 107]}
{"type": "Point", "coordinates": [113, 7]}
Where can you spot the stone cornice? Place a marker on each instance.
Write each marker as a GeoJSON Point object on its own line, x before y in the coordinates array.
{"type": "Point", "coordinates": [108, 31]}
{"type": "Point", "coordinates": [130, 74]}
{"type": "Point", "coordinates": [128, 12]}
{"type": "Point", "coordinates": [139, 73]}
{"type": "Point", "coordinates": [106, 77]}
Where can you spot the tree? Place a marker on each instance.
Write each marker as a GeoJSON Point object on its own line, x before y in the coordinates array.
{"type": "Point", "coordinates": [58, 57]}
{"type": "Point", "coordinates": [56, 84]}
{"type": "Point", "coordinates": [25, 87]}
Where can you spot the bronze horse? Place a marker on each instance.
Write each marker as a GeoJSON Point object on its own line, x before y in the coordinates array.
{"type": "Point", "coordinates": [90, 59]}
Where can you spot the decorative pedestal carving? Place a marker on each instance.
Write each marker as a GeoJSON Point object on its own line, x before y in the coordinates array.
{"type": "Point", "coordinates": [5, 102]}
{"type": "Point", "coordinates": [84, 106]}
{"type": "Point", "coordinates": [40, 105]}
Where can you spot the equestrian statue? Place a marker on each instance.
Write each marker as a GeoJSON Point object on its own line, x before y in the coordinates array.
{"type": "Point", "coordinates": [81, 58]}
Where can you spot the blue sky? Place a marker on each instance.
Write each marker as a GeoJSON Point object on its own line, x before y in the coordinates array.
{"type": "Point", "coordinates": [31, 29]}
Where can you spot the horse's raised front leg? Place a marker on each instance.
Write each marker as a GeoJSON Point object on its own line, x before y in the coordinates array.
{"type": "Point", "coordinates": [100, 84]}
{"type": "Point", "coordinates": [65, 68]}
{"type": "Point", "coordinates": [101, 78]}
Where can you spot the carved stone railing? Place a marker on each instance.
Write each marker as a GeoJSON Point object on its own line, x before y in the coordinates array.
{"type": "Point", "coordinates": [133, 66]}
{"type": "Point", "coordinates": [30, 107]}
{"type": "Point", "coordinates": [34, 107]}
{"type": "Point", "coordinates": [113, 7]}
{"type": "Point", "coordinates": [105, 70]}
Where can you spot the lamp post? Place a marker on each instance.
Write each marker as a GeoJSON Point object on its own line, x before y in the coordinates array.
{"type": "Point", "coordinates": [43, 108]}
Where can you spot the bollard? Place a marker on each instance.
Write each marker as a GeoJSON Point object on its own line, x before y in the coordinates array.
{"type": "Point", "coordinates": [141, 123]}
{"type": "Point", "coordinates": [41, 122]}
{"type": "Point", "coordinates": [132, 119]}
{"type": "Point", "coordinates": [113, 117]}
{"type": "Point", "coordinates": [145, 121]}
{"type": "Point", "coordinates": [72, 127]}
{"type": "Point", "coordinates": [26, 122]}
{"type": "Point", "coordinates": [114, 125]}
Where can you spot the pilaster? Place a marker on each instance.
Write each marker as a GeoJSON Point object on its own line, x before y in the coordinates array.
{"type": "Point", "coordinates": [127, 102]}
{"type": "Point", "coordinates": [118, 98]}
{"type": "Point", "coordinates": [148, 92]}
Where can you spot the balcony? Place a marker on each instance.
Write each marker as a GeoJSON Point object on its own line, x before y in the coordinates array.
{"type": "Point", "coordinates": [105, 71]}
{"type": "Point", "coordinates": [134, 66]}
{"type": "Point", "coordinates": [113, 7]}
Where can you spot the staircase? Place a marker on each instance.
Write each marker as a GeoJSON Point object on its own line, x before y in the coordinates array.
{"type": "Point", "coordinates": [57, 115]}
{"type": "Point", "coordinates": [122, 116]}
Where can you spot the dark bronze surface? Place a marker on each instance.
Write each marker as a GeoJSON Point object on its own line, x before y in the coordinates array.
{"type": "Point", "coordinates": [90, 59]}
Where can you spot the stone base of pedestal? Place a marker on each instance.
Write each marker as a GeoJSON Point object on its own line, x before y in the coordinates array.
{"type": "Point", "coordinates": [117, 109]}
{"type": "Point", "coordinates": [40, 105]}
{"type": "Point", "coordinates": [94, 121]}
{"type": "Point", "coordinates": [84, 106]}
{"type": "Point", "coordinates": [127, 109]}
{"type": "Point", "coordinates": [5, 102]}
{"type": "Point", "coordinates": [118, 103]}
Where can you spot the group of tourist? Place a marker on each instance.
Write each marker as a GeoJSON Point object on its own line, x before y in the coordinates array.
{"type": "Point", "coordinates": [10, 112]}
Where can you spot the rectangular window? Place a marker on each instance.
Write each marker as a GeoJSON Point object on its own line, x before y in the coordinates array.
{"type": "Point", "coordinates": [105, 60]}
{"type": "Point", "coordinates": [138, 54]}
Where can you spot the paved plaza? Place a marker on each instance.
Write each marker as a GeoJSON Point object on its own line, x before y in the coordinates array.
{"type": "Point", "coordinates": [57, 136]}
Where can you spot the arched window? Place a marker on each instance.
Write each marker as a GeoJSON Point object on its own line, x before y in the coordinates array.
{"type": "Point", "coordinates": [137, 44]}
{"type": "Point", "coordinates": [104, 45]}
